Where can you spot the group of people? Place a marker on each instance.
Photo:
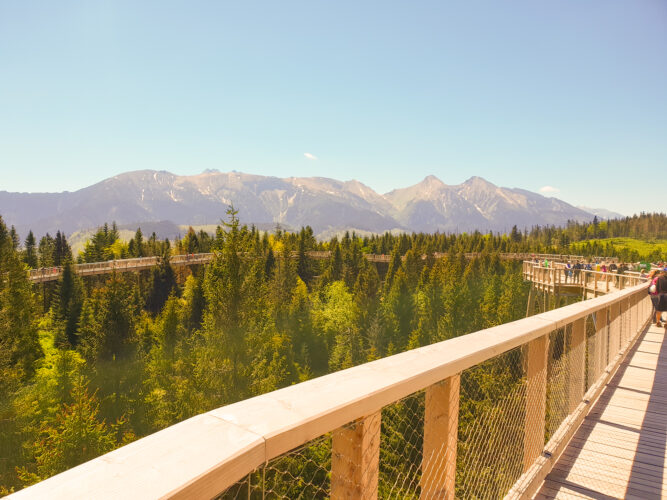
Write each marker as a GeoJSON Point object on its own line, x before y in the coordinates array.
{"type": "Point", "coordinates": [572, 270]}
{"type": "Point", "coordinates": [658, 292]}
{"type": "Point", "coordinates": [597, 266]}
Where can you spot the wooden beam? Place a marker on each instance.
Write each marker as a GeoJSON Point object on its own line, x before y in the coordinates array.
{"type": "Point", "coordinates": [624, 325]}
{"type": "Point", "coordinates": [355, 459]}
{"type": "Point", "coordinates": [577, 368]}
{"type": "Point", "coordinates": [441, 423]}
{"type": "Point", "coordinates": [530, 307]}
{"type": "Point", "coordinates": [614, 329]}
{"type": "Point", "coordinates": [536, 399]}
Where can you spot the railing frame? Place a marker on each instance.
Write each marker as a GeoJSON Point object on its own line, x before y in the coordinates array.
{"type": "Point", "coordinates": [206, 454]}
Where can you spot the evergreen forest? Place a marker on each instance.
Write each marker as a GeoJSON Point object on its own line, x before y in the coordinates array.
{"type": "Point", "coordinates": [89, 364]}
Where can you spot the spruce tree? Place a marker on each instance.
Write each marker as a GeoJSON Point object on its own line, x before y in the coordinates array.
{"type": "Point", "coordinates": [162, 284]}
{"type": "Point", "coordinates": [30, 254]}
{"type": "Point", "coordinates": [61, 250]}
{"type": "Point", "coordinates": [68, 304]}
{"type": "Point", "coordinates": [18, 315]}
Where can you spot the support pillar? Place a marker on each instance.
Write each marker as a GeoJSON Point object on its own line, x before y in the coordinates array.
{"type": "Point", "coordinates": [441, 423]}
{"type": "Point", "coordinates": [355, 459]}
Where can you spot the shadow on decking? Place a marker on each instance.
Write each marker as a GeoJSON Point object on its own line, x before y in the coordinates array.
{"type": "Point", "coordinates": [646, 476]}
{"type": "Point", "coordinates": [654, 426]}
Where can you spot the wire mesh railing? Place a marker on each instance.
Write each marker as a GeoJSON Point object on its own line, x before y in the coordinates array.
{"type": "Point", "coordinates": [479, 442]}
{"type": "Point", "coordinates": [476, 417]}
{"type": "Point", "coordinates": [558, 275]}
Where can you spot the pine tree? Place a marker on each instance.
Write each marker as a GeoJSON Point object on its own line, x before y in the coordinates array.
{"type": "Point", "coordinates": [76, 436]}
{"type": "Point", "coordinates": [116, 321]}
{"type": "Point", "coordinates": [394, 265]}
{"type": "Point", "coordinates": [303, 267]}
{"type": "Point", "coordinates": [30, 255]}
{"type": "Point", "coordinates": [45, 250]}
{"type": "Point", "coordinates": [170, 330]}
{"type": "Point", "coordinates": [398, 311]}
{"type": "Point", "coordinates": [14, 238]}
{"type": "Point", "coordinates": [68, 304]}
{"type": "Point", "coordinates": [223, 318]}
{"type": "Point", "coordinates": [162, 284]}
{"type": "Point", "coordinates": [61, 250]}
{"type": "Point", "coordinates": [18, 335]}
{"type": "Point", "coordinates": [269, 264]}
{"type": "Point", "coordinates": [194, 303]}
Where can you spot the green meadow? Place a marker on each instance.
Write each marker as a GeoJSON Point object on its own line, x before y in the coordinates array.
{"type": "Point", "coordinates": [631, 249]}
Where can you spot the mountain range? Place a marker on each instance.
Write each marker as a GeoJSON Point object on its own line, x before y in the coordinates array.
{"type": "Point", "coordinates": [327, 205]}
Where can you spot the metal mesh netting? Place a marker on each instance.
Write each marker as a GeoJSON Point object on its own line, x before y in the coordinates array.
{"type": "Point", "coordinates": [401, 447]}
{"type": "Point", "coordinates": [508, 408]}
{"type": "Point", "coordinates": [302, 473]}
{"type": "Point", "coordinates": [490, 424]}
{"type": "Point", "coordinates": [491, 427]}
{"type": "Point", "coordinates": [560, 371]}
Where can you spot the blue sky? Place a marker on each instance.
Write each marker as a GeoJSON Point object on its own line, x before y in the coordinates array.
{"type": "Point", "coordinates": [567, 94]}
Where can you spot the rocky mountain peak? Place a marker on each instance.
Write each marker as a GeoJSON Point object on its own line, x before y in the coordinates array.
{"type": "Point", "coordinates": [327, 205]}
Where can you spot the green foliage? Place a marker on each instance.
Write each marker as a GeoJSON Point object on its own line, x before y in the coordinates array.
{"type": "Point", "coordinates": [627, 249]}
{"type": "Point", "coordinates": [121, 355]}
{"type": "Point", "coordinates": [74, 436]}
{"type": "Point", "coordinates": [18, 335]}
{"type": "Point", "coordinates": [162, 284]}
{"type": "Point", "coordinates": [30, 254]}
{"type": "Point", "coordinates": [99, 248]}
{"type": "Point", "coordinates": [69, 301]}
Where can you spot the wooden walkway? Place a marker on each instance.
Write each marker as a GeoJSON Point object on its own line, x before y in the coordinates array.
{"type": "Point", "coordinates": [45, 274]}
{"type": "Point", "coordinates": [582, 283]}
{"type": "Point", "coordinates": [620, 450]}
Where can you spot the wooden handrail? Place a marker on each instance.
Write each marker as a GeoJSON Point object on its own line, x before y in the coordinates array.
{"type": "Point", "coordinates": [204, 455]}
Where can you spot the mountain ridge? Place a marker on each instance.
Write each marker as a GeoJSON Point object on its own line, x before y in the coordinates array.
{"type": "Point", "coordinates": [327, 205]}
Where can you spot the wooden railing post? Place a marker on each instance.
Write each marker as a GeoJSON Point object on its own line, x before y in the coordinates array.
{"type": "Point", "coordinates": [645, 308]}
{"type": "Point", "coordinates": [536, 399]}
{"type": "Point", "coordinates": [441, 423]}
{"type": "Point", "coordinates": [614, 329]}
{"type": "Point", "coordinates": [623, 321]}
{"type": "Point", "coordinates": [600, 342]}
{"type": "Point", "coordinates": [355, 459]}
{"type": "Point", "coordinates": [634, 317]}
{"type": "Point", "coordinates": [577, 369]}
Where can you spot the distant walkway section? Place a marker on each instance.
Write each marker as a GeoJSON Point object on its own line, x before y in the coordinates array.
{"type": "Point", "coordinates": [138, 264]}
{"type": "Point", "coordinates": [561, 281]}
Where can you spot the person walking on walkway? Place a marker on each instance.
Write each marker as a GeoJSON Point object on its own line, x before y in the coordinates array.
{"type": "Point", "coordinates": [658, 292]}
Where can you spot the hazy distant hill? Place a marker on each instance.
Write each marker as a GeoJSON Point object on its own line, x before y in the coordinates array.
{"type": "Point", "coordinates": [602, 213]}
{"type": "Point", "coordinates": [327, 205]}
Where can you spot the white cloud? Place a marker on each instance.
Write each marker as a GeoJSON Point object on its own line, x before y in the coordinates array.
{"type": "Point", "coordinates": [310, 156]}
{"type": "Point", "coordinates": [549, 190]}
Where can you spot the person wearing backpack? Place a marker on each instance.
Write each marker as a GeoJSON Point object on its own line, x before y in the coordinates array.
{"type": "Point", "coordinates": [658, 292]}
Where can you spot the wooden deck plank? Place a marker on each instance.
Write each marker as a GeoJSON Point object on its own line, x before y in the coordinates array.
{"type": "Point", "coordinates": [606, 472]}
{"type": "Point", "coordinates": [613, 484]}
{"type": "Point", "coordinates": [555, 490]}
{"type": "Point", "coordinates": [620, 450]}
{"type": "Point", "coordinates": [619, 463]}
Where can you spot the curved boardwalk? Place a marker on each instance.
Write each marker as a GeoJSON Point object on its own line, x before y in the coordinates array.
{"type": "Point", "coordinates": [620, 450]}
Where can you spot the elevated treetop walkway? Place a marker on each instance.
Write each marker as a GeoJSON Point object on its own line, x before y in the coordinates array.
{"type": "Point", "coordinates": [557, 279]}
{"type": "Point", "coordinates": [484, 415]}
{"type": "Point", "coordinates": [45, 274]}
